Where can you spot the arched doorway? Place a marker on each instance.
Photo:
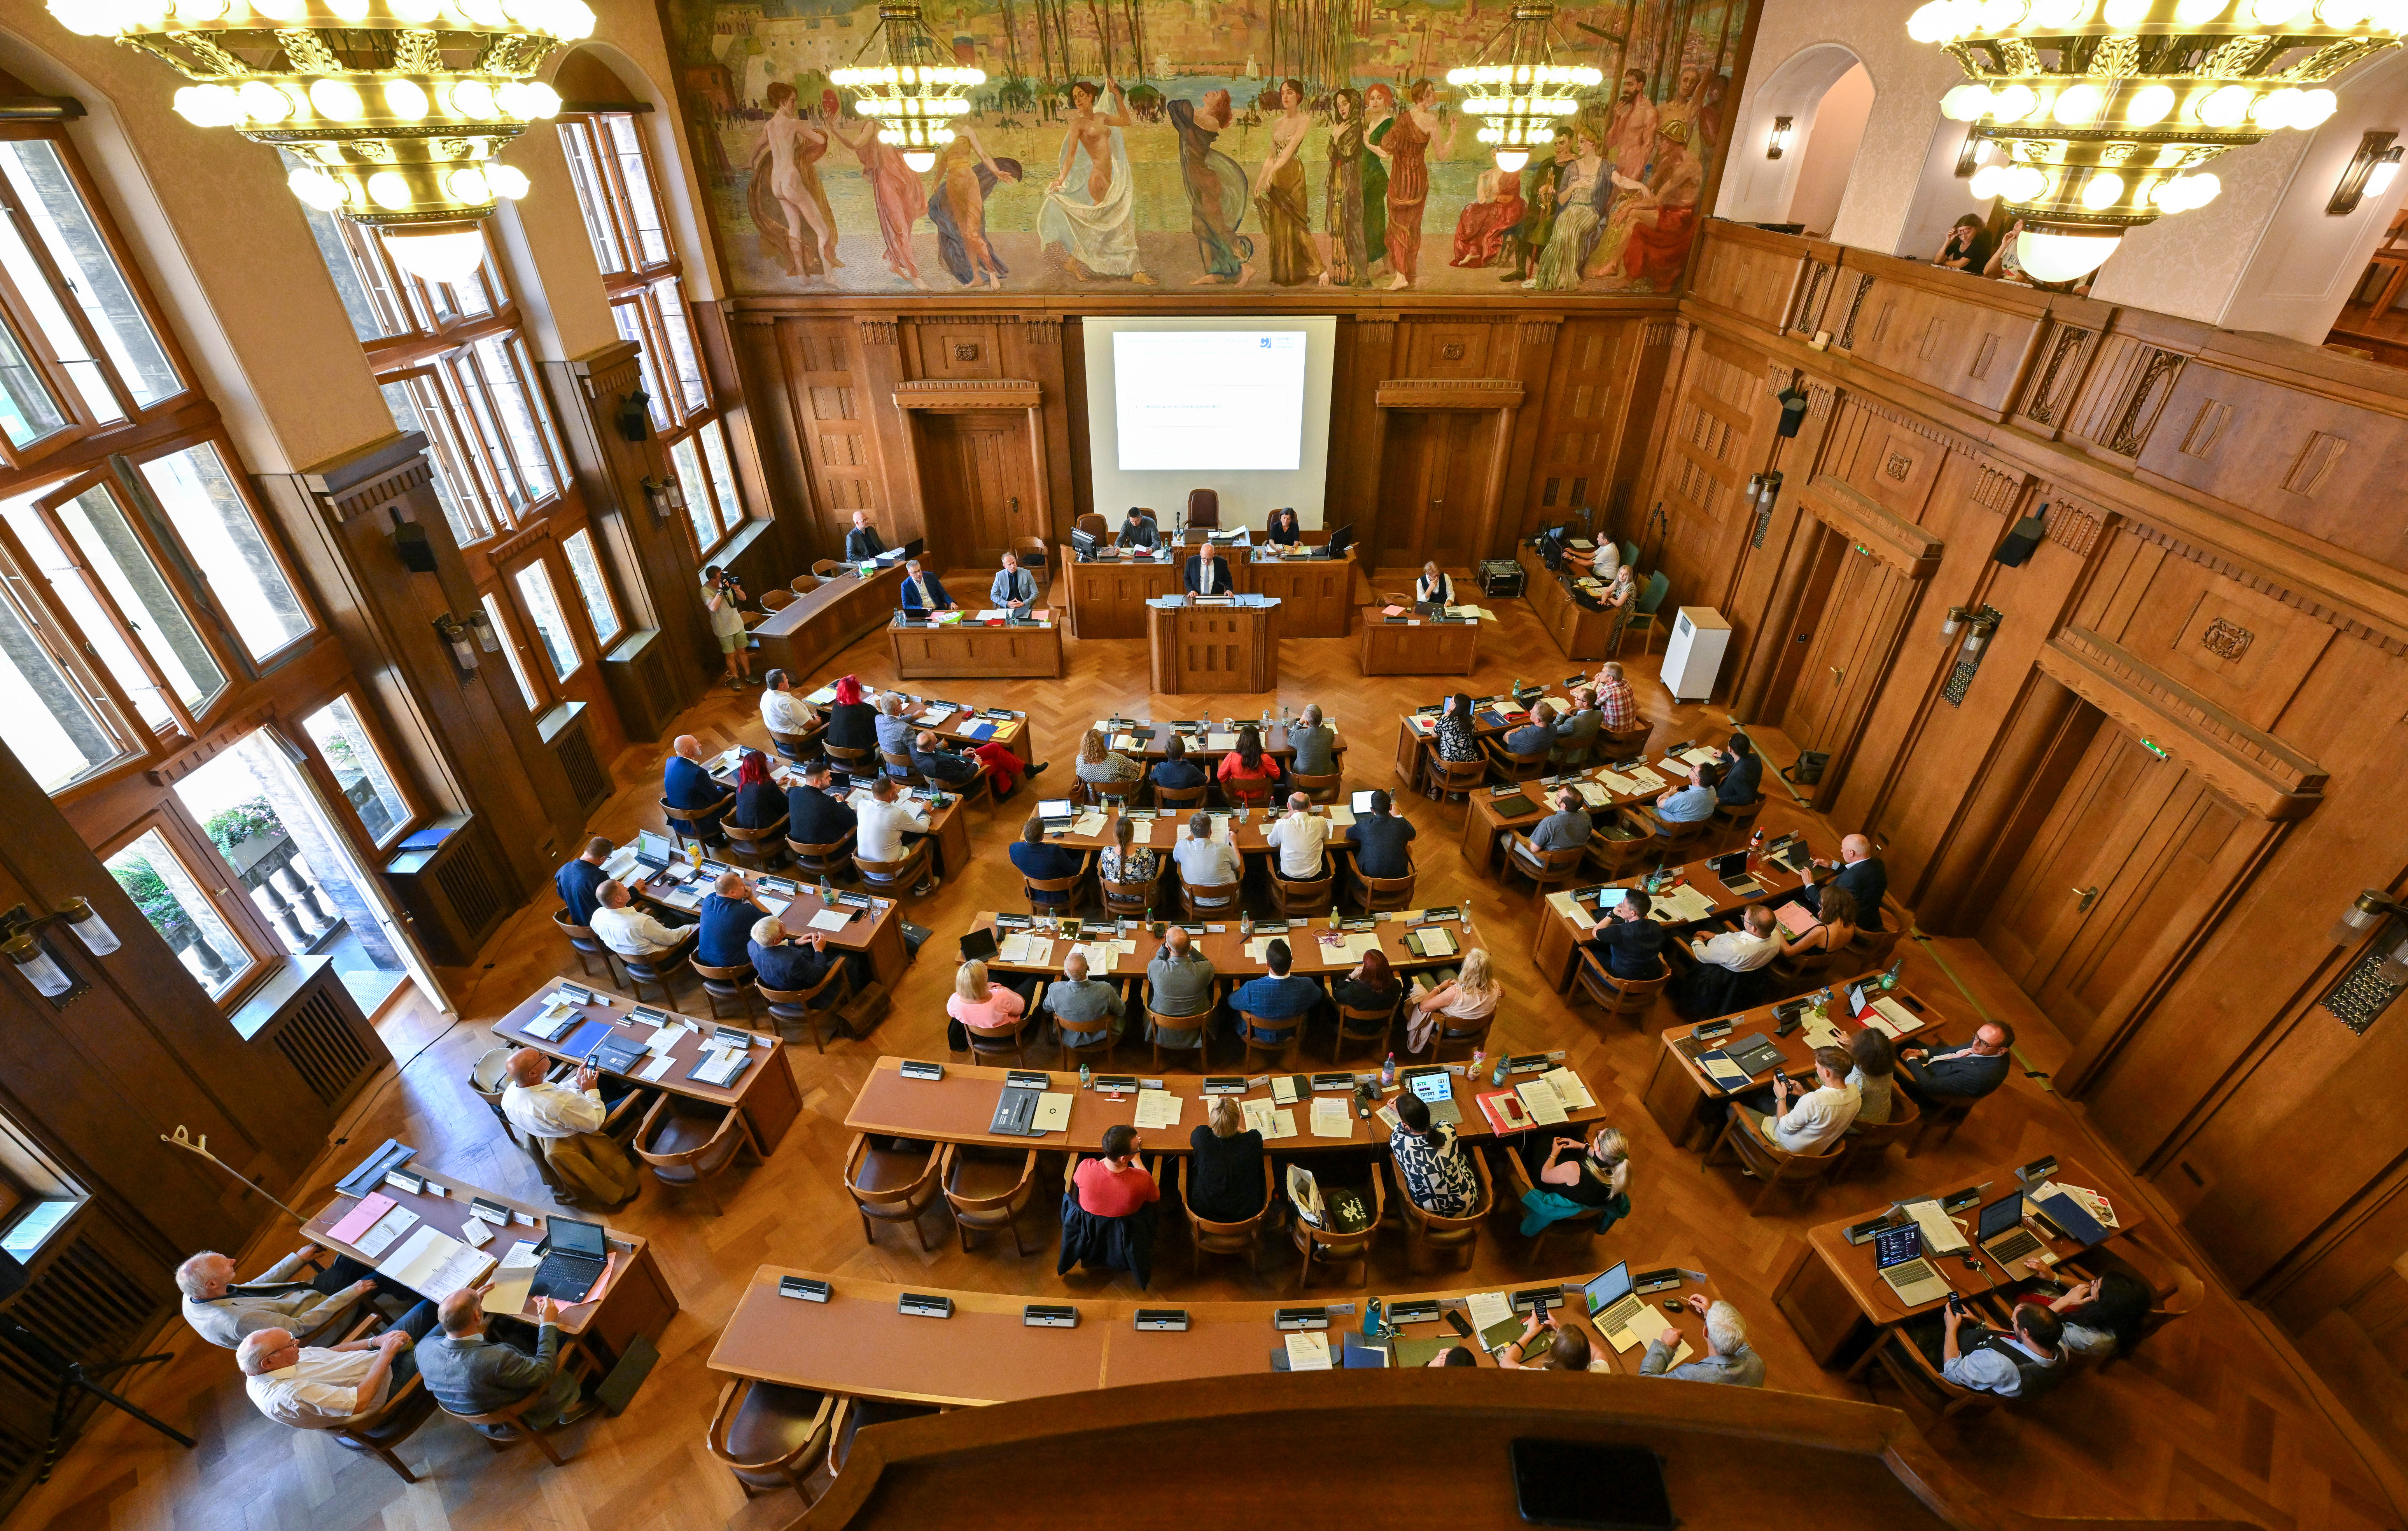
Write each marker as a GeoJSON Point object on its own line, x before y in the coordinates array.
{"type": "Point", "coordinates": [1824, 94]}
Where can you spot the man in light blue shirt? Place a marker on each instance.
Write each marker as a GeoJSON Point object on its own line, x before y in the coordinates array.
{"type": "Point", "coordinates": [1536, 737]}
{"type": "Point", "coordinates": [2022, 1364]}
{"type": "Point", "coordinates": [1567, 826]}
{"type": "Point", "coordinates": [1688, 805]}
{"type": "Point", "coordinates": [1204, 861]}
{"type": "Point", "coordinates": [1015, 587]}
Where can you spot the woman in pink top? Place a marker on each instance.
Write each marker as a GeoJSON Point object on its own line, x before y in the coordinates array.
{"type": "Point", "coordinates": [983, 1006]}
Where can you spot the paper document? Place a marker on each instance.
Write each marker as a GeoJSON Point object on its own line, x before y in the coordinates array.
{"type": "Point", "coordinates": [1089, 823]}
{"type": "Point", "coordinates": [1619, 784]}
{"type": "Point", "coordinates": [1126, 743]}
{"type": "Point", "coordinates": [388, 1229]}
{"type": "Point", "coordinates": [476, 1232]}
{"type": "Point", "coordinates": [1564, 903]}
{"type": "Point", "coordinates": [721, 1066]}
{"type": "Point", "coordinates": [1341, 817]}
{"type": "Point", "coordinates": [362, 1218]}
{"type": "Point", "coordinates": [1892, 1019]}
{"type": "Point", "coordinates": [1940, 1234]}
{"type": "Point", "coordinates": [1141, 831]}
{"type": "Point", "coordinates": [1683, 905]}
{"type": "Point", "coordinates": [1539, 1098]}
{"type": "Point", "coordinates": [1221, 741]}
{"type": "Point", "coordinates": [1722, 1071]}
{"type": "Point", "coordinates": [1438, 941]}
{"type": "Point", "coordinates": [1487, 1307]}
{"type": "Point", "coordinates": [1595, 795]}
{"type": "Point", "coordinates": [1268, 1119]}
{"type": "Point", "coordinates": [1332, 1117]}
{"type": "Point", "coordinates": [1308, 1351]}
{"type": "Point", "coordinates": [434, 1264]}
{"type": "Point", "coordinates": [1570, 1088]}
{"type": "Point", "coordinates": [664, 1038]}
{"type": "Point", "coordinates": [1102, 956]}
{"type": "Point", "coordinates": [1283, 1090]}
{"type": "Point", "coordinates": [657, 1070]}
{"type": "Point", "coordinates": [1053, 1111]}
{"type": "Point", "coordinates": [1644, 780]}
{"type": "Point", "coordinates": [1818, 1033]}
{"type": "Point", "coordinates": [831, 919]}
{"type": "Point", "coordinates": [1157, 1109]}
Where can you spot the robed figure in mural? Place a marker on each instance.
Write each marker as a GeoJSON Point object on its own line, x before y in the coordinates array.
{"type": "Point", "coordinates": [1583, 184]}
{"type": "Point", "coordinates": [789, 206]}
{"type": "Point", "coordinates": [1286, 217]}
{"type": "Point", "coordinates": [893, 185]}
{"type": "Point", "coordinates": [1378, 117]}
{"type": "Point", "coordinates": [1487, 222]}
{"type": "Point", "coordinates": [1216, 188]}
{"type": "Point", "coordinates": [1663, 217]}
{"type": "Point", "coordinates": [1090, 208]}
{"type": "Point", "coordinates": [966, 176]}
{"type": "Point", "coordinates": [1406, 148]}
{"type": "Point", "coordinates": [1343, 253]}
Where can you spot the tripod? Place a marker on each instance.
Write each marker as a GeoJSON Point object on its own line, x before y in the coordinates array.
{"type": "Point", "coordinates": [74, 1377]}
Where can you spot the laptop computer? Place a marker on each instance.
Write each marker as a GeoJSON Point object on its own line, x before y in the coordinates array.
{"type": "Point", "coordinates": [1435, 1088]}
{"type": "Point", "coordinates": [979, 945]}
{"type": "Point", "coordinates": [1360, 803]}
{"type": "Point", "coordinates": [1898, 1254]}
{"type": "Point", "coordinates": [575, 1254]}
{"type": "Point", "coordinates": [2001, 1232]}
{"type": "Point", "coordinates": [1612, 1303]}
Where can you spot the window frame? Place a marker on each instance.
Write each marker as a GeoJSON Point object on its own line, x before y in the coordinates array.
{"type": "Point", "coordinates": [531, 677]}
{"type": "Point", "coordinates": [602, 640]}
{"type": "Point", "coordinates": [331, 783]}
{"type": "Point", "coordinates": [263, 949]}
{"type": "Point", "coordinates": [188, 566]}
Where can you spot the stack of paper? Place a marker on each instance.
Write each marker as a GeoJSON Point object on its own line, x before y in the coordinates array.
{"type": "Point", "coordinates": [1644, 780]}
{"type": "Point", "coordinates": [1723, 1072]}
{"type": "Point", "coordinates": [657, 1070]}
{"type": "Point", "coordinates": [434, 1264]}
{"type": "Point", "coordinates": [934, 716]}
{"type": "Point", "coordinates": [1268, 1119]}
{"type": "Point", "coordinates": [1140, 832]}
{"type": "Point", "coordinates": [1621, 786]}
{"type": "Point", "coordinates": [1488, 1308]}
{"type": "Point", "coordinates": [1102, 956]}
{"type": "Point", "coordinates": [1341, 815]}
{"type": "Point", "coordinates": [1570, 1088]}
{"type": "Point", "coordinates": [719, 1065]}
{"type": "Point", "coordinates": [1157, 1109]}
{"type": "Point", "coordinates": [1308, 1349]}
{"type": "Point", "coordinates": [1595, 795]}
{"type": "Point", "coordinates": [1331, 1118]}
{"type": "Point", "coordinates": [1891, 1019]}
{"type": "Point", "coordinates": [512, 1278]}
{"type": "Point", "coordinates": [1221, 741]}
{"type": "Point", "coordinates": [1940, 1234]}
{"type": "Point", "coordinates": [1538, 1097]}
{"type": "Point", "coordinates": [1127, 743]}
{"type": "Point", "coordinates": [1089, 822]}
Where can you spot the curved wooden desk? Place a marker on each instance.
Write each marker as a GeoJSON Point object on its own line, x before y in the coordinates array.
{"type": "Point", "coordinates": [818, 627]}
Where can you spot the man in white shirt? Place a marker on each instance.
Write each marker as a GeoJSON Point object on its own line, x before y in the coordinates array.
{"type": "Point", "coordinates": [783, 711]}
{"type": "Point", "coordinates": [321, 1387]}
{"type": "Point", "coordinates": [1299, 838]}
{"type": "Point", "coordinates": [1745, 950]}
{"type": "Point", "coordinates": [632, 932]}
{"type": "Point", "coordinates": [1204, 861]}
{"type": "Point", "coordinates": [1809, 1121]}
{"type": "Point", "coordinates": [882, 822]}
{"type": "Point", "coordinates": [223, 1316]}
{"type": "Point", "coordinates": [567, 1121]}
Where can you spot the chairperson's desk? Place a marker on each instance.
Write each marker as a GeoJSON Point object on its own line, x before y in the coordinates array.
{"type": "Point", "coordinates": [1571, 914]}
{"type": "Point", "coordinates": [765, 1091]}
{"type": "Point", "coordinates": [816, 627]}
{"type": "Point", "coordinates": [1315, 595]}
{"type": "Point", "coordinates": [974, 648]}
{"type": "Point", "coordinates": [1107, 597]}
{"type": "Point", "coordinates": [1415, 646]}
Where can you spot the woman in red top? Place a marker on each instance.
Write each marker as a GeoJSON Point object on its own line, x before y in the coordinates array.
{"type": "Point", "coordinates": [1247, 762]}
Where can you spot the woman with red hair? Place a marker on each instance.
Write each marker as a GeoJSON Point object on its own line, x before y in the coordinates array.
{"type": "Point", "coordinates": [853, 723]}
{"type": "Point", "coordinates": [759, 802]}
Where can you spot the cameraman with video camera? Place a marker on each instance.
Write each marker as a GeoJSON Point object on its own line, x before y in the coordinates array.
{"type": "Point", "coordinates": [722, 594]}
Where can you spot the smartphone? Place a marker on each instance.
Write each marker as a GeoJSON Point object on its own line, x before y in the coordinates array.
{"type": "Point", "coordinates": [1456, 1322]}
{"type": "Point", "coordinates": [1597, 1488]}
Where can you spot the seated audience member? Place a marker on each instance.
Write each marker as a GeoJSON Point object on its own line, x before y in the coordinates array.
{"type": "Point", "coordinates": [1604, 560]}
{"type": "Point", "coordinates": [1202, 861]}
{"type": "Point", "coordinates": [851, 722]}
{"type": "Point", "coordinates": [1458, 737]}
{"type": "Point", "coordinates": [1127, 862]}
{"type": "Point", "coordinates": [1617, 705]}
{"type": "Point", "coordinates": [1247, 762]}
{"type": "Point", "coordinates": [1108, 1213]}
{"type": "Point", "coordinates": [1099, 763]}
{"type": "Point", "coordinates": [923, 591]}
{"type": "Point", "coordinates": [1369, 984]}
{"type": "Point", "coordinates": [984, 1007]}
{"type": "Point", "coordinates": [1003, 768]}
{"type": "Point", "coordinates": [1139, 529]}
{"type": "Point", "coordinates": [936, 765]}
{"type": "Point", "coordinates": [1730, 972]}
{"type": "Point", "coordinates": [1621, 597]}
{"type": "Point", "coordinates": [1742, 771]}
{"type": "Point", "coordinates": [1315, 743]}
{"type": "Point", "coordinates": [1014, 588]}
{"type": "Point", "coordinates": [1175, 770]}
{"type": "Point", "coordinates": [1688, 805]}
{"type": "Point", "coordinates": [2022, 1363]}
{"type": "Point", "coordinates": [276, 1298]}
{"type": "Point", "coordinates": [580, 881]}
{"type": "Point", "coordinates": [469, 1372]}
{"type": "Point", "coordinates": [1858, 870]}
{"type": "Point", "coordinates": [1179, 984]}
{"type": "Point", "coordinates": [685, 785]}
{"type": "Point", "coordinates": [1537, 735]}
{"type": "Point", "coordinates": [1453, 1355]}
{"type": "Point", "coordinates": [1576, 730]}
{"type": "Point", "coordinates": [791, 963]}
{"type": "Point", "coordinates": [895, 732]}
{"type": "Point", "coordinates": [862, 543]}
{"type": "Point", "coordinates": [1572, 1179]}
{"type": "Point", "coordinates": [1283, 528]}
{"type": "Point", "coordinates": [1224, 1164]}
{"type": "Point", "coordinates": [882, 822]}
{"type": "Point", "coordinates": [2107, 1315]}
{"type": "Point", "coordinates": [1963, 1073]}
{"type": "Point", "coordinates": [1873, 1077]}
{"type": "Point", "coordinates": [1039, 862]}
{"type": "Point", "coordinates": [1631, 945]}
{"type": "Point", "coordinates": [1834, 928]}
{"type": "Point", "coordinates": [728, 912]}
{"type": "Point", "coordinates": [1278, 995]}
{"type": "Point", "coordinates": [1729, 1356]}
{"type": "Point", "coordinates": [781, 710]}
{"type": "Point", "coordinates": [1086, 1008]}
{"type": "Point", "coordinates": [1433, 1169]}
{"type": "Point", "coordinates": [815, 814]}
{"type": "Point", "coordinates": [636, 933]}
{"type": "Point", "coordinates": [759, 803]}
{"type": "Point", "coordinates": [1380, 838]}
{"type": "Point", "coordinates": [1469, 996]}
{"type": "Point", "coordinates": [1298, 836]}
{"type": "Point", "coordinates": [321, 1387]}
{"type": "Point", "coordinates": [1434, 587]}
{"type": "Point", "coordinates": [1567, 1349]}
{"type": "Point", "coordinates": [1566, 829]}
{"type": "Point", "coordinates": [1807, 1120]}
{"type": "Point", "coordinates": [565, 1122]}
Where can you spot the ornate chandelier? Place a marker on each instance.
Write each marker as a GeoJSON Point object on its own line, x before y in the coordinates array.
{"type": "Point", "coordinates": [915, 94]}
{"type": "Point", "coordinates": [1513, 88]}
{"type": "Point", "coordinates": [2107, 114]}
{"type": "Point", "coordinates": [399, 109]}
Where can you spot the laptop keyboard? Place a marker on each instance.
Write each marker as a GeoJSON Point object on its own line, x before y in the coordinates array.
{"type": "Point", "coordinates": [1916, 1282]}
{"type": "Point", "coordinates": [1618, 1317]}
{"type": "Point", "coordinates": [2010, 1247]}
{"type": "Point", "coordinates": [566, 1278]}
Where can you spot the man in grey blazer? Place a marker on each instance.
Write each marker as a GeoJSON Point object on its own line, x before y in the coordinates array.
{"type": "Point", "coordinates": [1313, 740]}
{"type": "Point", "coordinates": [469, 1372]}
{"type": "Point", "coordinates": [279, 1298]}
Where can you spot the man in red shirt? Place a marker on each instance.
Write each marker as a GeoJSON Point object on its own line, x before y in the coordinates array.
{"type": "Point", "coordinates": [1108, 1215]}
{"type": "Point", "coordinates": [1116, 1185]}
{"type": "Point", "coordinates": [1615, 701]}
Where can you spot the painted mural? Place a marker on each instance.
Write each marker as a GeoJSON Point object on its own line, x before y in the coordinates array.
{"type": "Point", "coordinates": [1157, 145]}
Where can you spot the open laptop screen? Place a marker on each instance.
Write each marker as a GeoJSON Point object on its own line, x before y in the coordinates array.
{"type": "Point", "coordinates": [1897, 1246]}
{"type": "Point", "coordinates": [568, 1235]}
{"type": "Point", "coordinates": [2003, 1216]}
{"type": "Point", "coordinates": [1434, 1087]}
{"type": "Point", "coordinates": [1608, 1289]}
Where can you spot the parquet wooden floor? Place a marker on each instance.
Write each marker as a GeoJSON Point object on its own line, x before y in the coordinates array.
{"type": "Point", "coordinates": [2212, 1418]}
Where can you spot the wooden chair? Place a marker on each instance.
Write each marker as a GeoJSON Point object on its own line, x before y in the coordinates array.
{"type": "Point", "coordinates": [1902, 1360]}
{"type": "Point", "coordinates": [1375, 895]}
{"type": "Point", "coordinates": [662, 973]}
{"type": "Point", "coordinates": [725, 985]}
{"type": "Point", "coordinates": [1874, 948]}
{"type": "Point", "coordinates": [858, 765]}
{"type": "Point", "coordinates": [802, 1006]}
{"type": "Point", "coordinates": [1285, 1033]}
{"type": "Point", "coordinates": [1644, 618]}
{"type": "Point", "coordinates": [771, 1436]}
{"type": "Point", "coordinates": [1426, 1234]}
{"type": "Point", "coordinates": [1509, 767]}
{"type": "Point", "coordinates": [1627, 746]}
{"type": "Point", "coordinates": [759, 849]}
{"type": "Point", "coordinates": [1866, 1142]}
{"type": "Point", "coordinates": [800, 749]}
{"type": "Point", "coordinates": [1582, 1227]}
{"type": "Point", "coordinates": [1545, 869]}
{"type": "Point", "coordinates": [1667, 841]}
{"type": "Point", "coordinates": [1074, 1053]}
{"type": "Point", "coordinates": [691, 1143]}
{"type": "Point", "coordinates": [1201, 1025]}
{"type": "Point", "coordinates": [833, 859]}
{"type": "Point", "coordinates": [892, 1184]}
{"type": "Point", "coordinates": [505, 1428]}
{"type": "Point", "coordinates": [985, 1191]}
{"type": "Point", "coordinates": [1377, 1027]}
{"type": "Point", "coordinates": [990, 1045]}
{"type": "Point", "coordinates": [1736, 820]}
{"type": "Point", "coordinates": [1326, 1245]}
{"type": "Point", "coordinates": [1204, 508]}
{"type": "Point", "coordinates": [1094, 526]}
{"type": "Point", "coordinates": [1451, 778]}
{"type": "Point", "coordinates": [681, 821]}
{"type": "Point", "coordinates": [1799, 973]}
{"type": "Point", "coordinates": [1181, 797]}
{"type": "Point", "coordinates": [1297, 900]}
{"type": "Point", "coordinates": [1130, 901]}
{"type": "Point", "coordinates": [1068, 888]}
{"type": "Point", "coordinates": [1205, 1237]}
{"type": "Point", "coordinates": [1631, 998]}
{"type": "Point", "coordinates": [777, 601]}
{"type": "Point", "coordinates": [1209, 901]}
{"type": "Point", "coordinates": [1031, 552]}
{"type": "Point", "coordinates": [1330, 788]}
{"type": "Point", "coordinates": [1612, 858]}
{"type": "Point", "coordinates": [1775, 1168]}
{"type": "Point", "coordinates": [1248, 791]}
{"type": "Point", "coordinates": [405, 1409]}
{"type": "Point", "coordinates": [825, 569]}
{"type": "Point", "coordinates": [487, 1076]}
{"type": "Point", "coordinates": [1110, 794]}
{"type": "Point", "coordinates": [588, 947]}
{"type": "Point", "coordinates": [897, 879]}
{"type": "Point", "coordinates": [803, 584]}
{"type": "Point", "coordinates": [898, 765]}
{"type": "Point", "coordinates": [1943, 1116]}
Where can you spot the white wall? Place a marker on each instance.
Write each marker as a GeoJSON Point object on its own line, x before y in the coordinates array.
{"type": "Point", "coordinates": [1756, 190]}
{"type": "Point", "coordinates": [1830, 153]}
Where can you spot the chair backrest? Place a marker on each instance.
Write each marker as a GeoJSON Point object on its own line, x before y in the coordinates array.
{"type": "Point", "coordinates": [1652, 596]}
{"type": "Point", "coordinates": [889, 875]}
{"type": "Point", "coordinates": [1630, 553]}
{"type": "Point", "coordinates": [847, 754]}
{"type": "Point", "coordinates": [1458, 775]}
{"type": "Point", "coordinates": [1452, 1232]}
{"type": "Point", "coordinates": [1126, 900]}
{"type": "Point", "coordinates": [830, 857]}
{"type": "Point", "coordinates": [1202, 896]}
{"type": "Point", "coordinates": [1228, 1237]}
{"type": "Point", "coordinates": [1562, 861]}
{"type": "Point", "coordinates": [1204, 508]}
{"type": "Point", "coordinates": [1319, 788]}
{"type": "Point", "coordinates": [1105, 793]}
{"type": "Point", "coordinates": [1386, 893]}
{"type": "Point", "coordinates": [729, 1121]}
{"type": "Point", "coordinates": [893, 1196]}
{"type": "Point", "coordinates": [1094, 525]}
{"type": "Point", "coordinates": [787, 1004]}
{"type": "Point", "coordinates": [826, 569]}
{"type": "Point", "coordinates": [1181, 797]}
{"type": "Point", "coordinates": [1635, 996]}
{"type": "Point", "coordinates": [898, 765]}
{"type": "Point", "coordinates": [797, 747]}
{"type": "Point", "coordinates": [578, 935]}
{"type": "Point", "coordinates": [1302, 898]}
{"type": "Point", "coordinates": [1872, 1137]}
{"type": "Point", "coordinates": [1630, 742]}
{"type": "Point", "coordinates": [776, 600]}
{"type": "Point", "coordinates": [803, 584]}
{"type": "Point", "coordinates": [1340, 1246]}
{"type": "Point", "coordinates": [1002, 1202]}
{"type": "Point", "coordinates": [1255, 792]}
{"type": "Point", "coordinates": [729, 979]}
{"type": "Point", "coordinates": [749, 839]}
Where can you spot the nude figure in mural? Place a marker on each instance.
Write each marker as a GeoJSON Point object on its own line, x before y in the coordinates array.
{"type": "Point", "coordinates": [789, 206]}
{"type": "Point", "coordinates": [1631, 137]}
{"type": "Point", "coordinates": [1099, 230]}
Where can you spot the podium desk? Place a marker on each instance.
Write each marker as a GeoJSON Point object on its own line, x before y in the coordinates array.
{"type": "Point", "coordinates": [803, 636]}
{"type": "Point", "coordinates": [1582, 632]}
{"type": "Point", "coordinates": [1316, 595]}
{"type": "Point", "coordinates": [1106, 598]}
{"type": "Point", "coordinates": [1231, 649]}
{"type": "Point", "coordinates": [974, 648]}
{"type": "Point", "coordinates": [1416, 646]}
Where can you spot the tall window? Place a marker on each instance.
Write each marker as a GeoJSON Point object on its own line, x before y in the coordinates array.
{"type": "Point", "coordinates": [620, 198]}
{"type": "Point", "coordinates": [591, 588]}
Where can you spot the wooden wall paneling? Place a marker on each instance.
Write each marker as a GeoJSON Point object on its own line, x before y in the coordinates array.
{"type": "Point", "coordinates": [1523, 432]}
{"type": "Point", "coordinates": [1703, 466]}
{"type": "Point", "coordinates": [777, 427]}
{"type": "Point", "coordinates": [882, 365]}
{"type": "Point", "coordinates": [1750, 277]}
{"type": "Point", "coordinates": [1078, 496]}
{"type": "Point", "coordinates": [1764, 592]}
{"type": "Point", "coordinates": [1576, 428]}
{"type": "Point", "coordinates": [2063, 355]}
{"type": "Point", "coordinates": [821, 378]}
{"type": "Point", "coordinates": [1043, 354]}
{"type": "Point", "coordinates": [1967, 343]}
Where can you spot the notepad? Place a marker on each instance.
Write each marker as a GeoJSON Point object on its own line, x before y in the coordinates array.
{"type": "Point", "coordinates": [1157, 1109]}
{"type": "Point", "coordinates": [1141, 831]}
{"type": "Point", "coordinates": [1540, 1099]}
{"type": "Point", "coordinates": [831, 919]}
{"type": "Point", "coordinates": [1052, 1112]}
{"type": "Point", "coordinates": [1891, 1019]}
{"type": "Point", "coordinates": [1487, 1307]}
{"type": "Point", "coordinates": [1268, 1119]}
{"type": "Point", "coordinates": [1433, 942]}
{"type": "Point", "coordinates": [1284, 1089]}
{"type": "Point", "coordinates": [1308, 1349]}
{"type": "Point", "coordinates": [1331, 1118]}
{"type": "Point", "coordinates": [1723, 1072]}
{"type": "Point", "coordinates": [1221, 741]}
{"type": "Point", "coordinates": [721, 1067]}
{"type": "Point", "coordinates": [434, 1264]}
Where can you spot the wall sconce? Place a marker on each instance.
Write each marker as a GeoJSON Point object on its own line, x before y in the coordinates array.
{"type": "Point", "coordinates": [21, 940]}
{"type": "Point", "coordinates": [482, 625]}
{"type": "Point", "coordinates": [464, 648]}
{"type": "Point", "coordinates": [666, 495]}
{"type": "Point", "coordinates": [1983, 623]}
{"type": "Point", "coordinates": [1950, 624]}
{"type": "Point", "coordinates": [1977, 624]}
{"type": "Point", "coordinates": [1778, 144]}
{"type": "Point", "coordinates": [634, 420]}
{"type": "Point", "coordinates": [2371, 172]}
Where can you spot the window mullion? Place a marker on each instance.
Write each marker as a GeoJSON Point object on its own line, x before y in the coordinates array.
{"type": "Point", "coordinates": [55, 627]}
{"type": "Point", "coordinates": [63, 294]}
{"type": "Point", "coordinates": [81, 562]}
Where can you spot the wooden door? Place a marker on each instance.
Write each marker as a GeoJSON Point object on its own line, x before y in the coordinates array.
{"type": "Point", "coordinates": [1434, 486]}
{"type": "Point", "coordinates": [1844, 650]}
{"type": "Point", "coordinates": [975, 471]}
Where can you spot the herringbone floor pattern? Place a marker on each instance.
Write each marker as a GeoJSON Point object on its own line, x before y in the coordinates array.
{"type": "Point", "coordinates": [2209, 1419]}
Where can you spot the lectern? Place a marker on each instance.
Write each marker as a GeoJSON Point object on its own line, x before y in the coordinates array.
{"type": "Point", "coordinates": [1228, 645]}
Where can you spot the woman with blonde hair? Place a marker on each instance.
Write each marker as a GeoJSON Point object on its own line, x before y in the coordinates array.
{"type": "Point", "coordinates": [1097, 763]}
{"type": "Point", "coordinates": [1595, 1178]}
{"type": "Point", "coordinates": [1470, 995]}
{"type": "Point", "coordinates": [1225, 1165]}
{"type": "Point", "coordinates": [983, 1006]}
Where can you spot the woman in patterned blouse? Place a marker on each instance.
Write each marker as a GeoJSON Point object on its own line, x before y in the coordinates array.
{"type": "Point", "coordinates": [1433, 1168]}
{"type": "Point", "coordinates": [1455, 739]}
{"type": "Point", "coordinates": [1124, 862]}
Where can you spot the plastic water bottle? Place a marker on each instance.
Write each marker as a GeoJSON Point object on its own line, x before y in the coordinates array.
{"type": "Point", "coordinates": [1388, 1072]}
{"type": "Point", "coordinates": [1497, 1079]}
{"type": "Point", "coordinates": [1890, 979]}
{"type": "Point", "coordinates": [827, 894]}
{"type": "Point", "coordinates": [1246, 925]}
{"type": "Point", "coordinates": [1086, 1077]}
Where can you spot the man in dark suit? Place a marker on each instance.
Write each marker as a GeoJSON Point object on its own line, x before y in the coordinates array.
{"type": "Point", "coordinates": [580, 880]}
{"type": "Point", "coordinates": [1858, 870]}
{"type": "Point", "coordinates": [1208, 573]}
{"type": "Point", "coordinates": [1380, 838]}
{"type": "Point", "coordinates": [862, 543]}
{"type": "Point", "coordinates": [1632, 943]}
{"type": "Point", "coordinates": [1966, 1073]}
{"type": "Point", "coordinates": [469, 1372]}
{"type": "Point", "coordinates": [814, 816]}
{"type": "Point", "coordinates": [1043, 862]}
{"type": "Point", "coordinates": [939, 766]}
{"type": "Point", "coordinates": [793, 963]}
{"type": "Point", "coordinates": [1138, 530]}
{"type": "Point", "coordinates": [1742, 780]}
{"type": "Point", "coordinates": [1175, 770]}
{"type": "Point", "coordinates": [923, 592]}
{"type": "Point", "coordinates": [684, 784]}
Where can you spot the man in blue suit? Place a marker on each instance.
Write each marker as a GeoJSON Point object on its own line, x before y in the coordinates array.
{"type": "Point", "coordinates": [923, 592]}
{"type": "Point", "coordinates": [684, 784]}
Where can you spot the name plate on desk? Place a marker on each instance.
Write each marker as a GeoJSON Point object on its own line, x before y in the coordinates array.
{"type": "Point", "coordinates": [1163, 1319]}
{"type": "Point", "coordinates": [574, 993]}
{"type": "Point", "coordinates": [1300, 1317]}
{"type": "Point", "coordinates": [1115, 1081]}
{"type": "Point", "coordinates": [804, 1287]}
{"type": "Point", "coordinates": [2038, 1169]}
{"type": "Point", "coordinates": [1026, 1080]}
{"type": "Point", "coordinates": [1050, 1316]}
{"type": "Point", "coordinates": [922, 1304]}
{"type": "Point", "coordinates": [404, 1180]}
{"type": "Point", "coordinates": [1537, 1299]}
{"type": "Point", "coordinates": [913, 1069]}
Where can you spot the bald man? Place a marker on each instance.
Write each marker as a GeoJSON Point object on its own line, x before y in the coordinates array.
{"type": "Point", "coordinates": [1858, 870]}
{"type": "Point", "coordinates": [1178, 982]}
{"type": "Point", "coordinates": [728, 913]}
{"type": "Point", "coordinates": [1964, 1073]}
{"type": "Point", "coordinates": [565, 1121]}
{"type": "Point", "coordinates": [685, 784]}
{"type": "Point", "coordinates": [469, 1372]}
{"type": "Point", "coordinates": [862, 543]}
{"type": "Point", "coordinates": [321, 1387]}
